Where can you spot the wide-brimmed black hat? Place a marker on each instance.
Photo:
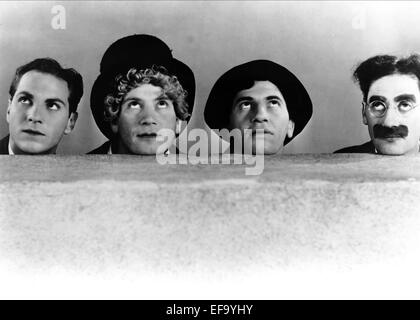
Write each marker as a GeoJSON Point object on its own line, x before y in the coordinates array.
{"type": "Point", "coordinates": [139, 51]}
{"type": "Point", "coordinates": [219, 104]}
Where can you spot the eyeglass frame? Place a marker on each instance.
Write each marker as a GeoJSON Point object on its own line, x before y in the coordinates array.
{"type": "Point", "coordinates": [367, 106]}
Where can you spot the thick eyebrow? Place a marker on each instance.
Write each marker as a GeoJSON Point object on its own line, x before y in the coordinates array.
{"type": "Point", "coordinates": [375, 98]}
{"type": "Point", "coordinates": [51, 100]}
{"type": "Point", "coordinates": [273, 98]}
{"type": "Point", "coordinates": [131, 99]}
{"type": "Point", "coordinates": [163, 96]}
{"type": "Point", "coordinates": [160, 97]}
{"type": "Point", "coordinates": [55, 100]}
{"type": "Point", "coordinates": [26, 93]}
{"type": "Point", "coordinates": [405, 97]}
{"type": "Point", "coordinates": [241, 99]}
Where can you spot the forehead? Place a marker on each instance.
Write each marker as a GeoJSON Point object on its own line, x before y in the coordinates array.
{"type": "Point", "coordinates": [260, 89]}
{"type": "Point", "coordinates": [43, 85]}
{"type": "Point", "coordinates": [394, 85]}
{"type": "Point", "coordinates": [145, 91]}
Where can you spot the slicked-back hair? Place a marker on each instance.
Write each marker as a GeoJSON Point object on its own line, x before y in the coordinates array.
{"type": "Point", "coordinates": [380, 66]}
{"type": "Point", "coordinates": [50, 66]}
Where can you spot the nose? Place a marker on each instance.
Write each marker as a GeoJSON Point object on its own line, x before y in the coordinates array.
{"type": "Point", "coordinates": [147, 117]}
{"type": "Point", "coordinates": [392, 117]}
{"type": "Point", "coordinates": [260, 114]}
{"type": "Point", "coordinates": [34, 114]}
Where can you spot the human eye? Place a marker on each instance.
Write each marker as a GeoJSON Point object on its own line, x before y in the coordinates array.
{"type": "Point", "coordinates": [377, 106]}
{"type": "Point", "coordinates": [405, 105]}
{"type": "Point", "coordinates": [134, 105]}
{"type": "Point", "coordinates": [162, 104]}
{"type": "Point", "coordinates": [24, 100]}
{"type": "Point", "coordinates": [53, 106]}
{"type": "Point", "coordinates": [245, 105]}
{"type": "Point", "coordinates": [274, 103]}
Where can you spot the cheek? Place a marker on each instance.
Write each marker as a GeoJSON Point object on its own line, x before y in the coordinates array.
{"type": "Point", "coordinates": [238, 120]}
{"type": "Point", "coordinates": [125, 122]}
{"type": "Point", "coordinates": [371, 121]}
{"type": "Point", "coordinates": [280, 121]}
{"type": "Point", "coordinates": [413, 127]}
{"type": "Point", "coordinates": [16, 115]}
{"type": "Point", "coordinates": [58, 124]}
{"type": "Point", "coordinates": [168, 119]}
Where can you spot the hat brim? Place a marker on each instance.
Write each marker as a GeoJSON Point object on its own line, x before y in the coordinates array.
{"type": "Point", "coordinates": [101, 89]}
{"type": "Point", "coordinates": [219, 103]}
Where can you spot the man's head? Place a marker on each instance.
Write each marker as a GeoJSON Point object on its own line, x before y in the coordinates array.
{"type": "Point", "coordinates": [43, 99]}
{"type": "Point", "coordinates": [261, 105]}
{"type": "Point", "coordinates": [127, 64]}
{"type": "Point", "coordinates": [391, 94]}
{"type": "Point", "coordinates": [142, 103]}
{"type": "Point", "coordinates": [261, 95]}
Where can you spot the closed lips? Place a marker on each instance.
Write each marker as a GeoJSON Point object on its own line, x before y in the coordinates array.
{"type": "Point", "coordinates": [147, 135]}
{"type": "Point", "coordinates": [33, 132]}
{"type": "Point", "coordinates": [266, 131]}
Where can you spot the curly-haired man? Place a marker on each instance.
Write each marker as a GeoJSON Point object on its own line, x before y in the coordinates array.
{"type": "Point", "coordinates": [142, 89]}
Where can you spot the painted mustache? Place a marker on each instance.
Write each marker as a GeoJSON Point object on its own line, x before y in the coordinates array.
{"type": "Point", "coordinates": [383, 132]}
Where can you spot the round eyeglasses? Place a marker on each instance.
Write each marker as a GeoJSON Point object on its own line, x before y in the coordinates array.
{"type": "Point", "coordinates": [378, 108]}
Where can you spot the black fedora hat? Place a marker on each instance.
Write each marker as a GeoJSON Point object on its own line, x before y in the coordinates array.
{"type": "Point", "coordinates": [219, 103]}
{"type": "Point", "coordinates": [139, 51]}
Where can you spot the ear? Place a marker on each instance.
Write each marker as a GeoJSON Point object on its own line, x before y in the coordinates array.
{"type": "Point", "coordinates": [114, 125]}
{"type": "Point", "coordinates": [71, 123]}
{"type": "Point", "coordinates": [290, 128]}
{"type": "Point", "coordinates": [8, 110]}
{"type": "Point", "coordinates": [364, 113]}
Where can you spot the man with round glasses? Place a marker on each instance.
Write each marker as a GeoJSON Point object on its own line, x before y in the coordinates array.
{"type": "Point", "coordinates": [391, 94]}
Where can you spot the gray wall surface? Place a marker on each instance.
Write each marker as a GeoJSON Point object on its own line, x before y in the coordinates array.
{"type": "Point", "coordinates": [308, 227]}
{"type": "Point", "coordinates": [318, 41]}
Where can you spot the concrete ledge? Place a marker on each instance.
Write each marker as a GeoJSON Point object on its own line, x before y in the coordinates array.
{"type": "Point", "coordinates": [110, 213]}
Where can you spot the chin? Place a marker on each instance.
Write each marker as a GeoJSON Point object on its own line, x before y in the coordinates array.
{"type": "Point", "coordinates": [31, 148]}
{"type": "Point", "coordinates": [267, 150]}
{"type": "Point", "coordinates": [144, 149]}
{"type": "Point", "coordinates": [391, 149]}
{"type": "Point", "coordinates": [271, 152]}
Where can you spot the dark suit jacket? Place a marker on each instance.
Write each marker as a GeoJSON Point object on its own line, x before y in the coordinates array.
{"type": "Point", "coordinates": [4, 145]}
{"type": "Point", "coordinates": [367, 147]}
{"type": "Point", "coordinates": [103, 149]}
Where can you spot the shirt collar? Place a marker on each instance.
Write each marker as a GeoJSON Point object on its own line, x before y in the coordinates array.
{"type": "Point", "coordinates": [10, 149]}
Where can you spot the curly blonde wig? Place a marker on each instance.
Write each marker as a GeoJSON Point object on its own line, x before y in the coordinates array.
{"type": "Point", "coordinates": [157, 76]}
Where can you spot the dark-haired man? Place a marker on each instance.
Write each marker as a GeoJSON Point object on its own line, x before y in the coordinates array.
{"type": "Point", "coordinates": [391, 94]}
{"type": "Point", "coordinates": [259, 95]}
{"type": "Point", "coordinates": [43, 99]}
